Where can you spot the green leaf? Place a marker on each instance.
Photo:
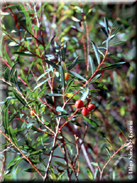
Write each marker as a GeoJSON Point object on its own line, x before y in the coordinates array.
{"type": "Point", "coordinates": [118, 43]}
{"type": "Point", "coordinates": [69, 84]}
{"type": "Point", "coordinates": [114, 57]}
{"type": "Point", "coordinates": [54, 94]}
{"type": "Point", "coordinates": [85, 94]}
{"type": "Point", "coordinates": [61, 164]}
{"type": "Point", "coordinates": [113, 66]}
{"type": "Point", "coordinates": [94, 164]}
{"type": "Point", "coordinates": [60, 109]}
{"type": "Point", "coordinates": [12, 71]}
{"type": "Point", "coordinates": [36, 152]}
{"type": "Point", "coordinates": [28, 20]}
{"type": "Point", "coordinates": [104, 31]}
{"type": "Point", "coordinates": [12, 135]}
{"type": "Point", "coordinates": [77, 75]}
{"type": "Point", "coordinates": [40, 84]}
{"type": "Point", "coordinates": [106, 25]}
{"type": "Point", "coordinates": [114, 23]}
{"type": "Point", "coordinates": [91, 64]}
{"type": "Point", "coordinates": [113, 175]}
{"type": "Point", "coordinates": [63, 51]}
{"type": "Point", "coordinates": [7, 56]}
{"type": "Point", "coordinates": [52, 64]}
{"type": "Point", "coordinates": [13, 116]}
{"type": "Point", "coordinates": [90, 121]}
{"type": "Point", "coordinates": [73, 64]}
{"type": "Point", "coordinates": [95, 174]}
{"type": "Point", "coordinates": [6, 118]}
{"type": "Point", "coordinates": [96, 52]}
{"type": "Point", "coordinates": [42, 75]}
{"type": "Point", "coordinates": [27, 54]}
{"type": "Point", "coordinates": [102, 86]}
{"type": "Point", "coordinates": [108, 39]}
{"type": "Point", "coordinates": [62, 76]}
{"type": "Point", "coordinates": [89, 174]}
{"type": "Point", "coordinates": [12, 162]}
{"type": "Point", "coordinates": [18, 96]}
{"type": "Point", "coordinates": [122, 111]}
{"type": "Point", "coordinates": [117, 30]}
{"type": "Point", "coordinates": [95, 78]}
{"type": "Point", "coordinates": [62, 115]}
{"type": "Point", "coordinates": [16, 81]}
{"type": "Point", "coordinates": [32, 170]}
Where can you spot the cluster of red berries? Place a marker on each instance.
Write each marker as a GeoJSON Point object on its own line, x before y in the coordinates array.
{"type": "Point", "coordinates": [85, 110]}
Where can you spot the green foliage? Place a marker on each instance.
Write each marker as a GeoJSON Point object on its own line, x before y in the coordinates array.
{"type": "Point", "coordinates": [44, 136]}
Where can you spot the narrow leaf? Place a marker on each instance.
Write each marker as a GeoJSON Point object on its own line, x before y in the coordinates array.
{"type": "Point", "coordinates": [94, 164]}
{"type": "Point", "coordinates": [27, 54]}
{"type": "Point", "coordinates": [77, 75]}
{"type": "Point", "coordinates": [109, 38]}
{"type": "Point", "coordinates": [85, 94]}
{"type": "Point", "coordinates": [12, 135]}
{"type": "Point", "coordinates": [16, 81]}
{"type": "Point", "coordinates": [106, 25]}
{"type": "Point", "coordinates": [95, 78]}
{"type": "Point", "coordinates": [91, 64]}
{"type": "Point", "coordinates": [36, 152]}
{"type": "Point", "coordinates": [96, 52]}
{"type": "Point", "coordinates": [12, 162]}
{"type": "Point", "coordinates": [62, 115]}
{"type": "Point", "coordinates": [12, 71]}
{"type": "Point", "coordinates": [104, 31]}
{"type": "Point", "coordinates": [69, 85]}
{"type": "Point", "coordinates": [55, 94]}
{"type": "Point", "coordinates": [95, 174]}
{"type": "Point", "coordinates": [113, 66]}
{"type": "Point", "coordinates": [118, 43]}
{"type": "Point", "coordinates": [114, 57]}
{"type": "Point", "coordinates": [61, 164]}
{"type": "Point", "coordinates": [17, 95]}
{"type": "Point", "coordinates": [73, 64]}
{"type": "Point", "coordinates": [60, 109]}
{"type": "Point", "coordinates": [63, 51]}
{"type": "Point", "coordinates": [40, 84]}
{"type": "Point", "coordinates": [52, 64]}
{"type": "Point", "coordinates": [62, 76]}
{"type": "Point", "coordinates": [42, 75]}
{"type": "Point", "coordinates": [117, 30]}
{"type": "Point", "coordinates": [6, 118]}
{"type": "Point", "coordinates": [32, 170]}
{"type": "Point", "coordinates": [114, 23]}
{"type": "Point", "coordinates": [89, 174]}
{"type": "Point", "coordinates": [90, 121]}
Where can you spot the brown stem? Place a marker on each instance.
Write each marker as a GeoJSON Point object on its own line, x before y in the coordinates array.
{"type": "Point", "coordinates": [25, 157]}
{"type": "Point", "coordinates": [23, 25]}
{"type": "Point", "coordinates": [68, 120]}
{"type": "Point", "coordinates": [52, 150]}
{"type": "Point", "coordinates": [124, 145]}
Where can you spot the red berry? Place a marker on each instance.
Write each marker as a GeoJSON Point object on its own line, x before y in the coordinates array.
{"type": "Point", "coordinates": [67, 76]}
{"type": "Point", "coordinates": [79, 104]}
{"type": "Point", "coordinates": [84, 111]}
{"type": "Point", "coordinates": [90, 107]}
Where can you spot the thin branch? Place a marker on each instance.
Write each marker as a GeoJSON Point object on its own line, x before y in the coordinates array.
{"type": "Point", "coordinates": [25, 157]}
{"type": "Point", "coordinates": [23, 25]}
{"type": "Point", "coordinates": [124, 145]}
{"type": "Point", "coordinates": [52, 150]}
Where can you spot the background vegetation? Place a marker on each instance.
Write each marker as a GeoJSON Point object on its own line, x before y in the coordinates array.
{"type": "Point", "coordinates": [40, 42]}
